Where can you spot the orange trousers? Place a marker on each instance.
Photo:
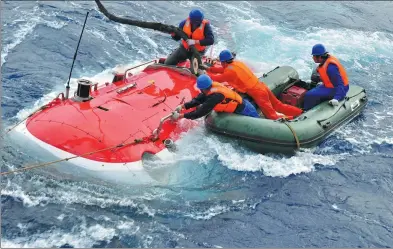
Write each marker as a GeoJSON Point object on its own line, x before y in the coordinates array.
{"type": "Point", "coordinates": [270, 105]}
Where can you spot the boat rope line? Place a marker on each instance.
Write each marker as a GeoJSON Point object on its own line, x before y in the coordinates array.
{"type": "Point", "coordinates": [293, 133]}
{"type": "Point", "coordinates": [31, 114]}
{"type": "Point", "coordinates": [136, 141]}
{"type": "Point", "coordinates": [343, 104]}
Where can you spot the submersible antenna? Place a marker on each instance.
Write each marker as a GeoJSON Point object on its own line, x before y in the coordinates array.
{"type": "Point", "coordinates": [69, 78]}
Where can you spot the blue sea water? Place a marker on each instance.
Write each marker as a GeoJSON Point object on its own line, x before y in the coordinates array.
{"type": "Point", "coordinates": [339, 194]}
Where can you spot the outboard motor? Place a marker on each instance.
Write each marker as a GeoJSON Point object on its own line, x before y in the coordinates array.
{"type": "Point", "coordinates": [83, 91]}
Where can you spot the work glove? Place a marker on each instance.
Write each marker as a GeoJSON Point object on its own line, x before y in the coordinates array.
{"type": "Point", "coordinates": [179, 108]}
{"type": "Point", "coordinates": [333, 102]}
{"type": "Point", "coordinates": [190, 42]}
{"type": "Point", "coordinates": [175, 116]}
{"type": "Point", "coordinates": [315, 78]}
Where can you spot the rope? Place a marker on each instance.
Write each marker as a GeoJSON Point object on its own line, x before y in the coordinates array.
{"type": "Point", "coordinates": [343, 104]}
{"type": "Point", "coordinates": [31, 114]}
{"type": "Point", "coordinates": [69, 158]}
{"type": "Point", "coordinates": [293, 132]}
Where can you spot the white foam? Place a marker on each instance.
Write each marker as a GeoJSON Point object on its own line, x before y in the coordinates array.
{"type": "Point", "coordinates": [97, 34]}
{"type": "Point", "coordinates": [61, 217]}
{"type": "Point", "coordinates": [241, 160]}
{"type": "Point", "coordinates": [67, 193]}
{"type": "Point", "coordinates": [254, 37]}
{"type": "Point", "coordinates": [27, 200]}
{"type": "Point", "coordinates": [23, 227]}
{"type": "Point", "coordinates": [145, 37]}
{"type": "Point", "coordinates": [238, 201]}
{"type": "Point", "coordinates": [98, 232]}
{"type": "Point", "coordinates": [29, 21]}
{"type": "Point", "coordinates": [187, 4]}
{"type": "Point", "coordinates": [78, 6]}
{"type": "Point", "coordinates": [241, 11]}
{"type": "Point", "coordinates": [54, 24]}
{"type": "Point", "coordinates": [375, 130]}
{"type": "Point", "coordinates": [208, 214]}
{"type": "Point", "coordinates": [80, 237]}
{"type": "Point", "coordinates": [122, 29]}
{"type": "Point", "coordinates": [24, 113]}
{"type": "Point", "coordinates": [21, 33]}
{"type": "Point", "coordinates": [253, 24]}
{"type": "Point", "coordinates": [196, 146]}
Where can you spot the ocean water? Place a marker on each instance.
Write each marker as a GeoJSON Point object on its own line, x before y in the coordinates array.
{"type": "Point", "coordinates": [339, 194]}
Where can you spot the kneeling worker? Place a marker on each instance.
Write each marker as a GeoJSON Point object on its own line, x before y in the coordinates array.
{"type": "Point", "coordinates": [217, 97]}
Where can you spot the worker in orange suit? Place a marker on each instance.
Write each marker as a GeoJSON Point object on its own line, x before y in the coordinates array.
{"type": "Point", "coordinates": [243, 80]}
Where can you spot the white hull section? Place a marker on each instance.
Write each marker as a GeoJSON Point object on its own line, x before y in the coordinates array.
{"type": "Point", "coordinates": [128, 170]}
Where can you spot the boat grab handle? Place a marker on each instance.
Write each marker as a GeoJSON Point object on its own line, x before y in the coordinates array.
{"type": "Point", "coordinates": [140, 65]}
{"type": "Point", "coordinates": [327, 124]}
{"type": "Point", "coordinates": [157, 131]}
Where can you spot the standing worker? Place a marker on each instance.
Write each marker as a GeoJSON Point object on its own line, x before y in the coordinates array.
{"type": "Point", "coordinates": [200, 35]}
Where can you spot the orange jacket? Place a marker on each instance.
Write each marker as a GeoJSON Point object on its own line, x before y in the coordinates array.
{"type": "Point", "coordinates": [238, 75]}
{"type": "Point", "coordinates": [231, 101]}
{"type": "Point", "coordinates": [323, 72]}
{"type": "Point", "coordinates": [198, 34]}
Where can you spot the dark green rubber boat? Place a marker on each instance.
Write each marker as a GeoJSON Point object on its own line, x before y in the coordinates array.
{"type": "Point", "coordinates": [280, 136]}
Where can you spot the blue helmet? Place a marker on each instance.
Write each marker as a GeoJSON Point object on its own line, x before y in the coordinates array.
{"type": "Point", "coordinates": [196, 16]}
{"type": "Point", "coordinates": [226, 55]}
{"type": "Point", "coordinates": [204, 82]}
{"type": "Point", "coordinates": [318, 49]}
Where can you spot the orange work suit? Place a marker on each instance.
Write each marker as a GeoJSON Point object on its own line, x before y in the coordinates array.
{"type": "Point", "coordinates": [236, 73]}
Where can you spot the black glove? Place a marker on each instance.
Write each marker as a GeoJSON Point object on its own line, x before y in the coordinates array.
{"type": "Point", "coordinates": [315, 78]}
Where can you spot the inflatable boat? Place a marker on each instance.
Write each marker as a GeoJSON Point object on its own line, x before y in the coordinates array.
{"type": "Point", "coordinates": [282, 136]}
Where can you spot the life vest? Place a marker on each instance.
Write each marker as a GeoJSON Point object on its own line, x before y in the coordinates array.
{"type": "Point", "coordinates": [322, 70]}
{"type": "Point", "coordinates": [245, 79]}
{"type": "Point", "coordinates": [198, 33]}
{"type": "Point", "coordinates": [231, 100]}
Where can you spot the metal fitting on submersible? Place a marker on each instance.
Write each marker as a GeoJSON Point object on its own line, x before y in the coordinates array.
{"type": "Point", "coordinates": [170, 145]}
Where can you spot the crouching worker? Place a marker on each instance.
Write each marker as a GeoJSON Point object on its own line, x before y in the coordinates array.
{"type": "Point", "coordinates": [242, 79]}
{"type": "Point", "coordinates": [217, 97]}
